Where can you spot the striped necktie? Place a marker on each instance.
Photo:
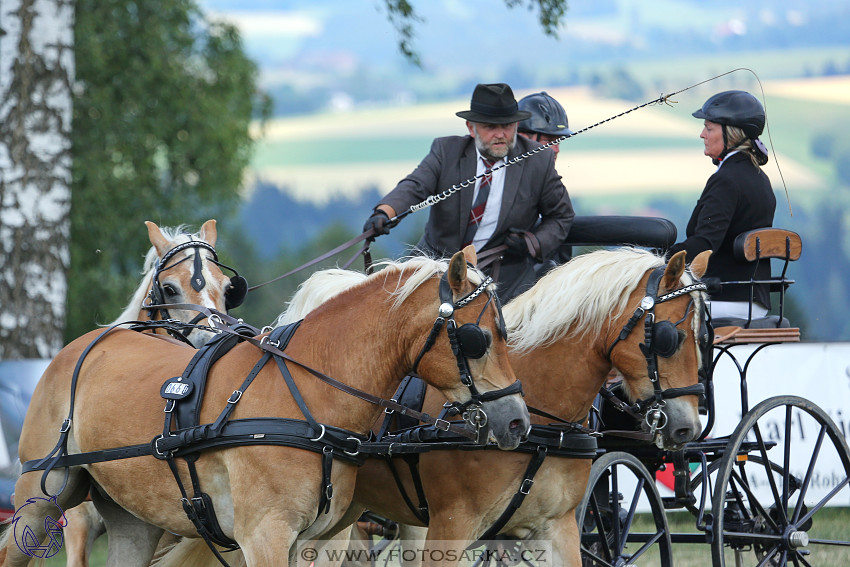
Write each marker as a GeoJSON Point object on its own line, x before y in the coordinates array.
{"type": "Point", "coordinates": [477, 212]}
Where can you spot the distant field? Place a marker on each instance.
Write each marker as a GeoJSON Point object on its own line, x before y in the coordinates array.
{"type": "Point", "coordinates": [652, 150]}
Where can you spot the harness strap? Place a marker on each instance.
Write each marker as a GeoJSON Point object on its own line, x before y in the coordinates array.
{"type": "Point", "coordinates": [518, 497]}
{"type": "Point", "coordinates": [371, 398]}
{"type": "Point", "coordinates": [194, 511]}
{"type": "Point", "coordinates": [421, 511]}
{"type": "Point", "coordinates": [237, 432]}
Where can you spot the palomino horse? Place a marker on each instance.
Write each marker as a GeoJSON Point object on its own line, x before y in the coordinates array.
{"type": "Point", "coordinates": [264, 496]}
{"type": "Point", "coordinates": [565, 333]}
{"type": "Point", "coordinates": [175, 260]}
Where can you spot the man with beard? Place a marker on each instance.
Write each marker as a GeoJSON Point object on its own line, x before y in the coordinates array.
{"type": "Point", "coordinates": [503, 208]}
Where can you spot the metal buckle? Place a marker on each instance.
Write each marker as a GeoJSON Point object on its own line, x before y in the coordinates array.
{"type": "Point", "coordinates": [388, 410]}
{"type": "Point", "coordinates": [525, 487]}
{"type": "Point", "coordinates": [66, 425]}
{"type": "Point", "coordinates": [322, 434]}
{"type": "Point", "coordinates": [238, 394]}
{"type": "Point", "coordinates": [357, 451]}
{"type": "Point", "coordinates": [159, 454]}
{"type": "Point", "coordinates": [169, 405]}
{"type": "Point", "coordinates": [442, 424]}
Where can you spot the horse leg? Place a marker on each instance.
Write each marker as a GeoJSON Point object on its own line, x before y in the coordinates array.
{"type": "Point", "coordinates": [411, 538]}
{"type": "Point", "coordinates": [84, 526]}
{"type": "Point", "coordinates": [28, 537]}
{"type": "Point", "coordinates": [132, 541]}
{"type": "Point", "coordinates": [566, 544]}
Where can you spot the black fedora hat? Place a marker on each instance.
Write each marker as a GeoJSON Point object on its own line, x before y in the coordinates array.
{"type": "Point", "coordinates": [493, 104]}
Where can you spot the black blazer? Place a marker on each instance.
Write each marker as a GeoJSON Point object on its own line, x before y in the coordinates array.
{"type": "Point", "coordinates": [533, 191]}
{"type": "Point", "coordinates": [738, 197]}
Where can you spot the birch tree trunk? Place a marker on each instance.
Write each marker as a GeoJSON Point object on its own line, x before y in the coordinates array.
{"type": "Point", "coordinates": [36, 74]}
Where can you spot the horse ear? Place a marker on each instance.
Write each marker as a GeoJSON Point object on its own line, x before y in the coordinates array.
{"type": "Point", "coordinates": [208, 232]}
{"type": "Point", "coordinates": [158, 239]}
{"type": "Point", "coordinates": [470, 255]}
{"type": "Point", "coordinates": [700, 264]}
{"type": "Point", "coordinates": [457, 272]}
{"type": "Point", "coordinates": [673, 272]}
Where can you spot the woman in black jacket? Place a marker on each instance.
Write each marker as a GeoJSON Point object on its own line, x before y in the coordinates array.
{"type": "Point", "coordinates": [737, 198]}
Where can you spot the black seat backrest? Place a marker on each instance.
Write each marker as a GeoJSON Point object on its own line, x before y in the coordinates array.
{"type": "Point", "coordinates": [764, 244]}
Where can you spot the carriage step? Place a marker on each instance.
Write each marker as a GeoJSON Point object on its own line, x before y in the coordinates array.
{"type": "Point", "coordinates": [675, 503]}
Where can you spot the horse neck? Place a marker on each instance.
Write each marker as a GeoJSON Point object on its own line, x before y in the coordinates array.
{"type": "Point", "coordinates": [372, 355]}
{"type": "Point", "coordinates": [564, 377]}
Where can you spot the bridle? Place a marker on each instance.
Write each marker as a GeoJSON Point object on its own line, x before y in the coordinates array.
{"type": "Point", "coordinates": [662, 339]}
{"type": "Point", "coordinates": [467, 341]}
{"type": "Point", "coordinates": [234, 295]}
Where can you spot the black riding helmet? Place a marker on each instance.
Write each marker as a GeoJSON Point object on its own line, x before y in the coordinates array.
{"type": "Point", "coordinates": [739, 109]}
{"type": "Point", "coordinates": [547, 115]}
{"type": "Point", "coordinates": [735, 108]}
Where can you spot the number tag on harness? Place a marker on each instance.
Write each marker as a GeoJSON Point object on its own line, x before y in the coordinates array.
{"type": "Point", "coordinates": [175, 389]}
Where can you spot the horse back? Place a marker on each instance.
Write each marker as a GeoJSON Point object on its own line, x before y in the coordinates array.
{"type": "Point", "coordinates": [117, 384]}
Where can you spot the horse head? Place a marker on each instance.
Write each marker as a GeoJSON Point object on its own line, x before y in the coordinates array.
{"type": "Point", "coordinates": [489, 396]}
{"type": "Point", "coordinates": [182, 270]}
{"type": "Point", "coordinates": [659, 345]}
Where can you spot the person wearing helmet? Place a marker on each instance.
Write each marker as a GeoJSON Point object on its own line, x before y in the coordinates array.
{"type": "Point", "coordinates": [548, 120]}
{"type": "Point", "coordinates": [737, 198]}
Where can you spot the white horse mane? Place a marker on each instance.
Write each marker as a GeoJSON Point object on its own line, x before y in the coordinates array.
{"type": "Point", "coordinates": [579, 297]}
{"type": "Point", "coordinates": [177, 235]}
{"type": "Point", "coordinates": [325, 284]}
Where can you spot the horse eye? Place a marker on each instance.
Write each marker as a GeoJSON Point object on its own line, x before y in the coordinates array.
{"type": "Point", "coordinates": [169, 289]}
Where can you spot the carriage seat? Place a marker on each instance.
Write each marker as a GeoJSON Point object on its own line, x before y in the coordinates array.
{"type": "Point", "coordinates": [758, 245]}
{"type": "Point", "coordinates": [612, 230]}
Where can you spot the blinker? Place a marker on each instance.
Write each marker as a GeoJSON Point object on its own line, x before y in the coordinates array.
{"type": "Point", "coordinates": [474, 342]}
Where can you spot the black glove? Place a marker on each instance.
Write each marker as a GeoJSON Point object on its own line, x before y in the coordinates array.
{"type": "Point", "coordinates": [516, 245]}
{"type": "Point", "coordinates": [380, 221]}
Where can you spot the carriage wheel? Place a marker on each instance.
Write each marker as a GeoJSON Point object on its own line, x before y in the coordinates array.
{"type": "Point", "coordinates": [784, 465]}
{"type": "Point", "coordinates": [618, 487]}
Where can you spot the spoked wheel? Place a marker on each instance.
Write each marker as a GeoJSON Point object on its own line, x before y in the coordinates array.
{"type": "Point", "coordinates": [611, 535]}
{"type": "Point", "coordinates": [784, 465]}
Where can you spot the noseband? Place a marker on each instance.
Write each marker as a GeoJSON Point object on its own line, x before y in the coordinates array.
{"type": "Point", "coordinates": [233, 296]}
{"type": "Point", "coordinates": [467, 341]}
{"type": "Point", "coordinates": [661, 339]}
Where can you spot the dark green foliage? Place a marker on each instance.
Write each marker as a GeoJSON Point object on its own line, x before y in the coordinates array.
{"type": "Point", "coordinates": [162, 106]}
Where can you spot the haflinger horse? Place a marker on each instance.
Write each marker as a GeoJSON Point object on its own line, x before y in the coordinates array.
{"type": "Point", "coordinates": [180, 268]}
{"type": "Point", "coordinates": [565, 334]}
{"type": "Point", "coordinates": [263, 495]}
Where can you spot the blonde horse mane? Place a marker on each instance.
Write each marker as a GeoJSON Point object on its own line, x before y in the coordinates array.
{"type": "Point", "coordinates": [325, 284]}
{"type": "Point", "coordinates": [578, 298]}
{"type": "Point", "coordinates": [177, 235]}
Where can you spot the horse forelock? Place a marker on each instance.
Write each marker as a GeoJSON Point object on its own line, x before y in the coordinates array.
{"type": "Point", "coordinates": [578, 298]}
{"type": "Point", "coordinates": [410, 273]}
